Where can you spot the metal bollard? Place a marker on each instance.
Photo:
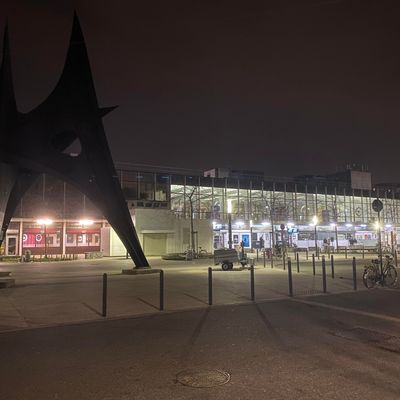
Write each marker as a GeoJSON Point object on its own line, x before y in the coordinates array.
{"type": "Point", "coordinates": [363, 252]}
{"type": "Point", "coordinates": [210, 288]}
{"type": "Point", "coordinates": [298, 262]}
{"type": "Point", "coordinates": [395, 258]}
{"type": "Point", "coordinates": [345, 252]}
{"type": "Point", "coordinates": [284, 260]}
{"type": "Point", "coordinates": [252, 283]}
{"type": "Point", "coordinates": [354, 274]}
{"type": "Point", "coordinates": [272, 259]}
{"type": "Point", "coordinates": [332, 267]}
{"type": "Point", "coordinates": [313, 264]}
{"type": "Point", "coordinates": [307, 254]}
{"type": "Point", "coordinates": [323, 275]}
{"type": "Point", "coordinates": [257, 254]}
{"type": "Point", "coordinates": [289, 267]}
{"type": "Point", "coordinates": [161, 290]}
{"type": "Point", "coordinates": [104, 308]}
{"type": "Point", "coordinates": [264, 257]}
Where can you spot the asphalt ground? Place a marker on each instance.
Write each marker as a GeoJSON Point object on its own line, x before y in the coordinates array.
{"type": "Point", "coordinates": [338, 346]}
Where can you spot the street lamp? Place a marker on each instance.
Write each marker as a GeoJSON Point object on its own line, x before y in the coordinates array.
{"type": "Point", "coordinates": [45, 222]}
{"type": "Point", "coordinates": [230, 223]}
{"type": "Point", "coordinates": [315, 222]}
{"type": "Point", "coordinates": [84, 223]}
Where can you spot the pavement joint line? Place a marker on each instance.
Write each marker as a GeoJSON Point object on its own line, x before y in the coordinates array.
{"type": "Point", "coordinates": [348, 310]}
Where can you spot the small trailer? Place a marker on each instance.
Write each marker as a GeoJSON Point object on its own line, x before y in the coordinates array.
{"type": "Point", "coordinates": [227, 257]}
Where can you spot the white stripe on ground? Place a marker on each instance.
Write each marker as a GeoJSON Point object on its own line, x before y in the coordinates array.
{"type": "Point", "coordinates": [349, 310]}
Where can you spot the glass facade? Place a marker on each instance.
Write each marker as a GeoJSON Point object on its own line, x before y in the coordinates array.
{"type": "Point", "coordinates": [207, 198]}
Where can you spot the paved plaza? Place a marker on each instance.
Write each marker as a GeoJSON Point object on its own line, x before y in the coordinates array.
{"type": "Point", "coordinates": [340, 346]}
{"type": "Point", "coordinates": [69, 292]}
{"type": "Point", "coordinates": [55, 345]}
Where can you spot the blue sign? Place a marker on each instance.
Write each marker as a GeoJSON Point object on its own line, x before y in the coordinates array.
{"type": "Point", "coordinates": [292, 229]}
{"type": "Point", "coordinates": [246, 240]}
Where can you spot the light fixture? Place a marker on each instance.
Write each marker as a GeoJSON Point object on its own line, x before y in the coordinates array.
{"type": "Point", "coordinates": [333, 224]}
{"type": "Point", "coordinates": [388, 225]}
{"type": "Point", "coordinates": [229, 206]}
{"type": "Point", "coordinates": [85, 222]}
{"type": "Point", "coordinates": [363, 225]}
{"type": "Point", "coordinates": [349, 225]}
{"type": "Point", "coordinates": [266, 223]}
{"type": "Point", "coordinates": [44, 221]}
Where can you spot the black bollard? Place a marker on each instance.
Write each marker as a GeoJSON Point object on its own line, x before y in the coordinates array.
{"type": "Point", "coordinates": [104, 308]}
{"type": "Point", "coordinates": [363, 252]}
{"type": "Point", "coordinates": [345, 252]}
{"type": "Point", "coordinates": [284, 260]}
{"type": "Point", "coordinates": [210, 288]}
{"type": "Point", "coordinates": [313, 264]}
{"type": "Point", "coordinates": [298, 262]}
{"type": "Point", "coordinates": [354, 274]}
{"type": "Point", "coordinates": [332, 267]}
{"type": "Point", "coordinates": [323, 275]}
{"type": "Point", "coordinates": [161, 290]}
{"type": "Point", "coordinates": [307, 254]}
{"type": "Point", "coordinates": [252, 283]}
{"type": "Point", "coordinates": [264, 257]}
{"type": "Point", "coordinates": [289, 267]}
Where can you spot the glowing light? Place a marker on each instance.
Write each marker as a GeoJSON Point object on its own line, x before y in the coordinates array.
{"type": "Point", "coordinates": [251, 223]}
{"type": "Point", "coordinates": [363, 226]}
{"type": "Point", "coordinates": [377, 225]}
{"type": "Point", "coordinates": [86, 222]}
{"type": "Point", "coordinates": [349, 225]}
{"type": "Point", "coordinates": [229, 206]}
{"type": "Point", "coordinates": [388, 225]}
{"type": "Point", "coordinates": [266, 223]}
{"type": "Point", "coordinates": [239, 224]}
{"type": "Point", "coordinates": [314, 220]}
{"type": "Point", "coordinates": [44, 221]}
{"type": "Point", "coordinates": [290, 224]}
{"type": "Point", "coordinates": [333, 225]}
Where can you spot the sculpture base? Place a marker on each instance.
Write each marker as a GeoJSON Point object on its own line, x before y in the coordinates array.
{"type": "Point", "coordinates": [140, 271]}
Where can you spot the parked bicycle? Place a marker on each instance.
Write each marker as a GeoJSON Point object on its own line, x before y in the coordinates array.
{"type": "Point", "coordinates": [372, 275]}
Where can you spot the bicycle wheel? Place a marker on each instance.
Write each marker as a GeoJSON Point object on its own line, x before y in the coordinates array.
{"type": "Point", "coordinates": [390, 276]}
{"type": "Point", "coordinates": [369, 277]}
{"type": "Point", "coordinates": [203, 253]}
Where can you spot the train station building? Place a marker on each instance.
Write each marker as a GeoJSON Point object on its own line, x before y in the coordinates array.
{"type": "Point", "coordinates": [172, 208]}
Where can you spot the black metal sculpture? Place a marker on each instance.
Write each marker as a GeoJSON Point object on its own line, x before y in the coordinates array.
{"type": "Point", "coordinates": [70, 113]}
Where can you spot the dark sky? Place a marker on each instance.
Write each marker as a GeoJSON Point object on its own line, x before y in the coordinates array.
{"type": "Point", "coordinates": [288, 87]}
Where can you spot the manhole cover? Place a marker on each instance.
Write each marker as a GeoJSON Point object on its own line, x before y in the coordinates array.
{"type": "Point", "coordinates": [203, 378]}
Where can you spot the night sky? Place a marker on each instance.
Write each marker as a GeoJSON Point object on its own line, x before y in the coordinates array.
{"type": "Point", "coordinates": [288, 87]}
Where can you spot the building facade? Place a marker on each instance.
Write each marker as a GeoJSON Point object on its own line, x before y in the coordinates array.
{"type": "Point", "coordinates": [171, 209]}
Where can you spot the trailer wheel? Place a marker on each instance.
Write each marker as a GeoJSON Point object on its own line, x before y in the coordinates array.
{"type": "Point", "coordinates": [225, 266]}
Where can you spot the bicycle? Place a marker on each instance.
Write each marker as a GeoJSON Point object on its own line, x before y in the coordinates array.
{"type": "Point", "coordinates": [203, 253]}
{"type": "Point", "coordinates": [372, 273]}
